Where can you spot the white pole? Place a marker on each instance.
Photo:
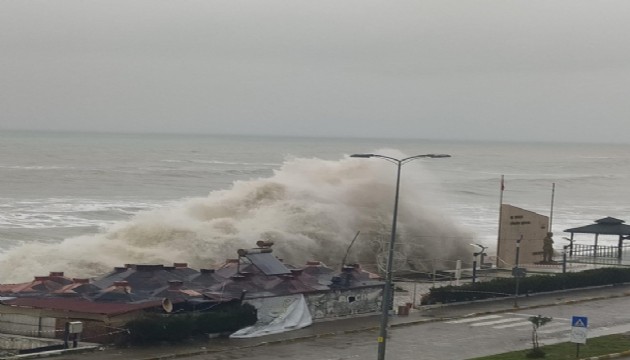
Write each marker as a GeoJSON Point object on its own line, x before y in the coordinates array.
{"type": "Point", "coordinates": [553, 193]}
{"type": "Point", "coordinates": [433, 277]}
{"type": "Point", "coordinates": [458, 272]}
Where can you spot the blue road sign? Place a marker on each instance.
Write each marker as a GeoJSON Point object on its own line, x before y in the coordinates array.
{"type": "Point", "coordinates": [579, 321]}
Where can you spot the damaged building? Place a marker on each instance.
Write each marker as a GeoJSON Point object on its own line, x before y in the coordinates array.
{"type": "Point", "coordinates": [286, 296]}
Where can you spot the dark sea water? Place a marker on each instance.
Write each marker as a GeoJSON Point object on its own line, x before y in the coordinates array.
{"type": "Point", "coordinates": [82, 203]}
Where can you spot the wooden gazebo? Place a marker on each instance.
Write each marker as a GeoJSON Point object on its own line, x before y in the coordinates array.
{"type": "Point", "coordinates": [605, 226]}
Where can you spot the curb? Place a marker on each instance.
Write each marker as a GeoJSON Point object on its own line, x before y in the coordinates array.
{"type": "Point", "coordinates": [52, 353]}
{"type": "Point", "coordinates": [609, 356]}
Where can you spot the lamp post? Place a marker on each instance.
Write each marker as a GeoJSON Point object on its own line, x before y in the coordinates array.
{"type": "Point", "coordinates": [474, 271]}
{"type": "Point", "coordinates": [387, 291]}
{"type": "Point", "coordinates": [517, 272]}
{"type": "Point", "coordinates": [481, 252]}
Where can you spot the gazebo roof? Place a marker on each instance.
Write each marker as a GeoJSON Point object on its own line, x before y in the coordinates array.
{"type": "Point", "coordinates": [605, 226]}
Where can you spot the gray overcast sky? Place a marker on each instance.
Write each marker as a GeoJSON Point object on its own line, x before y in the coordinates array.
{"type": "Point", "coordinates": [549, 70]}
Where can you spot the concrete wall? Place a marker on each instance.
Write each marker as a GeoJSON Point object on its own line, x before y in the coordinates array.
{"type": "Point", "coordinates": [344, 302]}
{"type": "Point", "coordinates": [16, 342]}
{"type": "Point", "coordinates": [514, 223]}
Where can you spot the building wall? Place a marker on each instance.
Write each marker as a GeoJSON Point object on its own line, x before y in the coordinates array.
{"type": "Point", "coordinates": [516, 222]}
{"type": "Point", "coordinates": [344, 302]}
{"type": "Point", "coordinates": [94, 331]}
{"type": "Point", "coordinates": [51, 323]}
{"type": "Point", "coordinates": [27, 325]}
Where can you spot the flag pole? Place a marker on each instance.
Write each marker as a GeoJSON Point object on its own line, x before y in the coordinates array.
{"type": "Point", "coordinates": [500, 218]}
{"type": "Point", "coordinates": [553, 192]}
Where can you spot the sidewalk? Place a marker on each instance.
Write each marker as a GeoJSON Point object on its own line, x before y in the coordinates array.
{"type": "Point", "coordinates": [362, 323]}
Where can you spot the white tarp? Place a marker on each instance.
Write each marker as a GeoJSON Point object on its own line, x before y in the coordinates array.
{"type": "Point", "coordinates": [276, 315]}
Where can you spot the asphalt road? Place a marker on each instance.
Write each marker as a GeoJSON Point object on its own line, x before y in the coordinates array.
{"type": "Point", "coordinates": [461, 331]}
{"type": "Point", "coordinates": [463, 338]}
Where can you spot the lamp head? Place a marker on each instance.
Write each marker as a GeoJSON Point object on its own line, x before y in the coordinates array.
{"type": "Point", "coordinates": [361, 155]}
{"type": "Point", "coordinates": [434, 156]}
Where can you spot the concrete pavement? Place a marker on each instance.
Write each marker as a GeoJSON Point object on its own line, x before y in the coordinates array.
{"type": "Point", "coordinates": [363, 323]}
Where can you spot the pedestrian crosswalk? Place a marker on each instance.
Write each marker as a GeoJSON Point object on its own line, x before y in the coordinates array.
{"type": "Point", "coordinates": [513, 321]}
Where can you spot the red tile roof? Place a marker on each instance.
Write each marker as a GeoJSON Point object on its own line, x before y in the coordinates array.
{"type": "Point", "coordinates": [81, 305]}
{"type": "Point", "coordinates": [9, 288]}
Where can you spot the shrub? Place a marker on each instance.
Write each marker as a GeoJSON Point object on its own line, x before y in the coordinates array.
{"type": "Point", "coordinates": [503, 287]}
{"type": "Point", "coordinates": [156, 328]}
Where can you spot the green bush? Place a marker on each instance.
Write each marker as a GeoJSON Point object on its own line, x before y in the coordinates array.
{"type": "Point", "coordinates": [226, 320]}
{"type": "Point", "coordinates": [156, 328]}
{"type": "Point", "coordinates": [503, 287]}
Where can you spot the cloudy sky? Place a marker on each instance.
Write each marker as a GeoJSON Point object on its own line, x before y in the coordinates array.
{"type": "Point", "coordinates": [548, 70]}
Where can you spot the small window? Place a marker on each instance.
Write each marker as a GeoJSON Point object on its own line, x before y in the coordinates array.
{"type": "Point", "coordinates": [351, 299]}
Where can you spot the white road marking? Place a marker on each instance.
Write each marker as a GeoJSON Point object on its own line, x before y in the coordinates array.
{"type": "Point", "coordinates": [462, 321]}
{"type": "Point", "coordinates": [500, 321]}
{"type": "Point", "coordinates": [555, 328]}
{"type": "Point", "coordinates": [522, 323]}
{"type": "Point", "coordinates": [530, 315]}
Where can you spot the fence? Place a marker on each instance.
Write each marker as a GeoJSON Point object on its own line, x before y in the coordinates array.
{"type": "Point", "coordinates": [581, 251]}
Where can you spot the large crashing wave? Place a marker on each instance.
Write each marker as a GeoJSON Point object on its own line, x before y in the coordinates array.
{"type": "Point", "coordinates": [310, 208]}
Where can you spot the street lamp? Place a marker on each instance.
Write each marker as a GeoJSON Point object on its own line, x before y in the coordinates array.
{"type": "Point", "coordinates": [517, 272]}
{"type": "Point", "coordinates": [481, 252]}
{"type": "Point", "coordinates": [387, 291]}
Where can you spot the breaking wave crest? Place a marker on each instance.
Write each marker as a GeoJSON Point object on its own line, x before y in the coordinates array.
{"type": "Point", "coordinates": [310, 208]}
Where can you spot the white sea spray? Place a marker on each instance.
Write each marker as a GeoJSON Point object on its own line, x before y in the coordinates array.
{"type": "Point", "coordinates": [311, 208]}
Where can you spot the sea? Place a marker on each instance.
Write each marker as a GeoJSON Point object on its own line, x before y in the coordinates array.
{"type": "Point", "coordinates": [83, 203]}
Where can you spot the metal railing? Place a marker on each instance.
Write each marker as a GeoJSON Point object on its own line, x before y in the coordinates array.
{"type": "Point", "coordinates": [603, 251]}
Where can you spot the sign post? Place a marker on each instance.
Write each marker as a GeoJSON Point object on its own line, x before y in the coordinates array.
{"type": "Point", "coordinates": [579, 332]}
